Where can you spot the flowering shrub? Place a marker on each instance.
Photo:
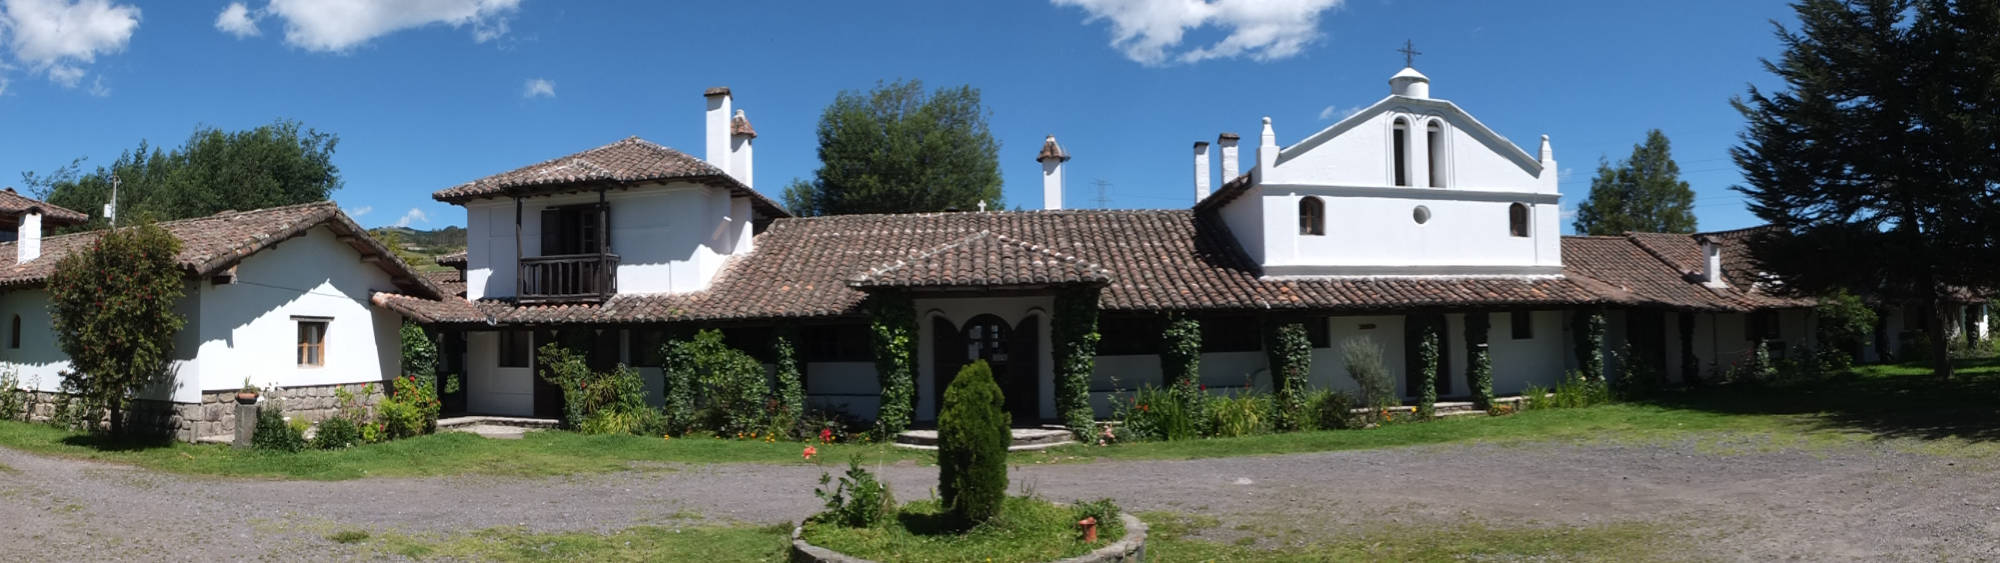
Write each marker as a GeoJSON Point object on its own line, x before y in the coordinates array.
{"type": "Point", "coordinates": [411, 409]}
{"type": "Point", "coordinates": [857, 500]}
{"type": "Point", "coordinates": [711, 386]}
{"type": "Point", "coordinates": [1157, 414]}
{"type": "Point", "coordinates": [594, 402]}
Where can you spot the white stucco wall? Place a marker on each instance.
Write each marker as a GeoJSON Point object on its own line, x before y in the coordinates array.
{"type": "Point", "coordinates": [1369, 219]}
{"type": "Point", "coordinates": [248, 328]}
{"type": "Point", "coordinates": [490, 389]}
{"type": "Point", "coordinates": [669, 238]}
{"type": "Point", "coordinates": [1520, 363]}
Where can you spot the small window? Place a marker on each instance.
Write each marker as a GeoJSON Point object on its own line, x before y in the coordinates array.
{"type": "Point", "coordinates": [312, 343]}
{"type": "Point", "coordinates": [1312, 216]}
{"type": "Point", "coordinates": [516, 346]}
{"type": "Point", "coordinates": [1231, 334]}
{"type": "Point", "coordinates": [836, 343]}
{"type": "Point", "coordinates": [644, 346]}
{"type": "Point", "coordinates": [1434, 143]}
{"type": "Point", "coordinates": [1517, 220]}
{"type": "Point", "coordinates": [1317, 332]}
{"type": "Point", "coordinates": [1762, 325]}
{"type": "Point", "coordinates": [1129, 336]}
{"type": "Point", "coordinates": [1401, 146]}
{"type": "Point", "coordinates": [14, 333]}
{"type": "Point", "coordinates": [1524, 324]}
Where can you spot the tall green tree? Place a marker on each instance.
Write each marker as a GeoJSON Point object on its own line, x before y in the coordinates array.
{"type": "Point", "coordinates": [1876, 160]}
{"type": "Point", "coordinates": [900, 149]}
{"type": "Point", "coordinates": [280, 163]}
{"type": "Point", "coordinates": [1644, 193]}
{"type": "Point", "coordinates": [113, 309]}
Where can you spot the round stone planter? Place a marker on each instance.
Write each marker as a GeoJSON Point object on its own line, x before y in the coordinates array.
{"type": "Point", "coordinates": [1132, 547]}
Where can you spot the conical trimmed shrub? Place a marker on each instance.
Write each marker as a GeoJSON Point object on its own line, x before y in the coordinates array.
{"type": "Point", "coordinates": [972, 445]}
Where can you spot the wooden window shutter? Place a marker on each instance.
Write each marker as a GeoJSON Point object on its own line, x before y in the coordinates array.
{"type": "Point", "coordinates": [552, 231]}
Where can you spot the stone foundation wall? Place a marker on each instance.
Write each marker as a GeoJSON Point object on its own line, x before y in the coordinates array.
{"type": "Point", "coordinates": [215, 415]}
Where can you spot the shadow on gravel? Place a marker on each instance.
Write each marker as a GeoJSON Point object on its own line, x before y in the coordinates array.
{"type": "Point", "coordinates": [1894, 402]}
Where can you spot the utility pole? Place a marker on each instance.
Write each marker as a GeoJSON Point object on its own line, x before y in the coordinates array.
{"type": "Point", "coordinates": [1102, 201]}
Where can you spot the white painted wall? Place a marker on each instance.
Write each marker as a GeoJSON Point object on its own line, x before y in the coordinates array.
{"type": "Point", "coordinates": [247, 328]}
{"type": "Point", "coordinates": [1370, 225]}
{"type": "Point", "coordinates": [849, 387]}
{"type": "Point", "coordinates": [669, 238]}
{"type": "Point", "coordinates": [491, 389]}
{"type": "Point", "coordinates": [1534, 361]}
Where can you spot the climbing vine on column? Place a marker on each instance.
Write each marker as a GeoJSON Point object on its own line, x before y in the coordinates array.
{"type": "Point", "coordinates": [892, 329]}
{"type": "Point", "coordinates": [791, 393]}
{"type": "Point", "coordinates": [1290, 355]}
{"type": "Point", "coordinates": [1074, 332]}
{"type": "Point", "coordinates": [1180, 364]}
{"type": "Point", "coordinates": [1590, 344]}
{"type": "Point", "coordinates": [1479, 361]}
{"type": "Point", "coordinates": [1427, 367]}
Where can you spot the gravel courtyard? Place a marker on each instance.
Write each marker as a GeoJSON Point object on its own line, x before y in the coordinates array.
{"type": "Point", "coordinates": [1717, 501]}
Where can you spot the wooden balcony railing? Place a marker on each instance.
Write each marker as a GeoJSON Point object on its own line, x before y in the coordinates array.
{"type": "Point", "coordinates": [568, 278]}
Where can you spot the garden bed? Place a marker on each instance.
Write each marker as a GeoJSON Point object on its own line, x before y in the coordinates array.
{"type": "Point", "coordinates": [1027, 530]}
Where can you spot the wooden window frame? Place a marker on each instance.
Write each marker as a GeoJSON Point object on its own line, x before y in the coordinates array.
{"type": "Point", "coordinates": [311, 354]}
{"type": "Point", "coordinates": [503, 352]}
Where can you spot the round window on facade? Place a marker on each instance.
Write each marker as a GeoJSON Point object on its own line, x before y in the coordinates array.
{"type": "Point", "coordinates": [1421, 214]}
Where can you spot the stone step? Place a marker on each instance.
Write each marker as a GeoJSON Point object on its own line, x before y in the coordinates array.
{"type": "Point", "coordinates": [1025, 439]}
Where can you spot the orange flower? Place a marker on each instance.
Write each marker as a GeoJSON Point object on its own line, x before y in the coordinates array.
{"type": "Point", "coordinates": [810, 452]}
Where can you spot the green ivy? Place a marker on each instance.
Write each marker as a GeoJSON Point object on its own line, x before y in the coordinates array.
{"type": "Point", "coordinates": [1180, 364]}
{"type": "Point", "coordinates": [704, 372]}
{"type": "Point", "coordinates": [1290, 356]}
{"type": "Point", "coordinates": [1479, 360]}
{"type": "Point", "coordinates": [680, 367]}
{"type": "Point", "coordinates": [1074, 333]}
{"type": "Point", "coordinates": [1590, 344]}
{"type": "Point", "coordinates": [1427, 367]}
{"type": "Point", "coordinates": [892, 327]}
{"type": "Point", "coordinates": [791, 391]}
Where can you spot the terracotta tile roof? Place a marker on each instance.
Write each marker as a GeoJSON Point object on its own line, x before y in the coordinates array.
{"type": "Point", "coordinates": [982, 260]}
{"type": "Point", "coordinates": [1156, 259]}
{"type": "Point", "coordinates": [1665, 269]}
{"type": "Point", "coordinates": [455, 260]}
{"type": "Point", "coordinates": [1052, 150]}
{"type": "Point", "coordinates": [1229, 191]}
{"type": "Point", "coordinates": [12, 203]}
{"type": "Point", "coordinates": [619, 165]}
{"type": "Point", "coordinates": [210, 245]}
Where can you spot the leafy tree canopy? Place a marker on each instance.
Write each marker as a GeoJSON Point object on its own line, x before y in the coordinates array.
{"type": "Point", "coordinates": [281, 163]}
{"type": "Point", "coordinates": [1877, 160]}
{"type": "Point", "coordinates": [1641, 193]}
{"type": "Point", "coordinates": [113, 309]}
{"type": "Point", "coordinates": [900, 149]}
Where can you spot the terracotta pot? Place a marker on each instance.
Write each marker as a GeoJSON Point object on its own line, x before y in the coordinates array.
{"type": "Point", "coordinates": [246, 398]}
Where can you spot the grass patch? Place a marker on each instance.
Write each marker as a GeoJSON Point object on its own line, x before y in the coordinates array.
{"type": "Point", "coordinates": [348, 536]}
{"type": "Point", "coordinates": [1170, 540]}
{"type": "Point", "coordinates": [1027, 529]}
{"type": "Point", "coordinates": [450, 453]}
{"type": "Point", "coordinates": [709, 544]}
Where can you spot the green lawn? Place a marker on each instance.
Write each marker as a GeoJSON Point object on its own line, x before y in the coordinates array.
{"type": "Point", "coordinates": [538, 453]}
{"type": "Point", "coordinates": [1901, 403]}
{"type": "Point", "coordinates": [1027, 530]}
{"type": "Point", "coordinates": [1171, 539]}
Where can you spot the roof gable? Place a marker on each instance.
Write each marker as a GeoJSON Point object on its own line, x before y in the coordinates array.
{"type": "Point", "coordinates": [621, 164]}
{"type": "Point", "coordinates": [984, 259]}
{"type": "Point", "coordinates": [12, 203]}
{"type": "Point", "coordinates": [1458, 116]}
{"type": "Point", "coordinates": [211, 245]}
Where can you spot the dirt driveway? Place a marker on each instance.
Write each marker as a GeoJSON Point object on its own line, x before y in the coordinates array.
{"type": "Point", "coordinates": [1869, 502]}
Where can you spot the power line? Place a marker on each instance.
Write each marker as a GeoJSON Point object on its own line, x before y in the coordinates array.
{"type": "Point", "coordinates": [1102, 201]}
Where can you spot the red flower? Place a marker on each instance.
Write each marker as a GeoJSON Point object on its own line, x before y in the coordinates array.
{"type": "Point", "coordinates": [826, 435]}
{"type": "Point", "coordinates": [810, 452]}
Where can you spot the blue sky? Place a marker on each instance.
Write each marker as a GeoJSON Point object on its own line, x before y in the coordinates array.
{"type": "Point", "coordinates": [438, 92]}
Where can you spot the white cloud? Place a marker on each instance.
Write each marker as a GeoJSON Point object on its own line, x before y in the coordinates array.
{"type": "Point", "coordinates": [339, 25]}
{"type": "Point", "coordinates": [1150, 32]}
{"type": "Point", "coordinates": [1333, 112]}
{"type": "Point", "coordinates": [97, 87]}
{"type": "Point", "coordinates": [57, 37]}
{"type": "Point", "coordinates": [414, 216]}
{"type": "Point", "coordinates": [357, 212]}
{"type": "Point", "coordinates": [237, 20]}
{"type": "Point", "coordinates": [539, 88]}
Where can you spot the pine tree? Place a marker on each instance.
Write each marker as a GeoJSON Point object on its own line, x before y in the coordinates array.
{"type": "Point", "coordinates": [1641, 193]}
{"type": "Point", "coordinates": [1879, 150]}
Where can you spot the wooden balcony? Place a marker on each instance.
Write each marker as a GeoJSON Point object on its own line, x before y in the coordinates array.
{"type": "Point", "coordinates": [568, 278]}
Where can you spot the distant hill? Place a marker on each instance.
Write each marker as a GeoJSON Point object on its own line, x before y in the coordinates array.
{"type": "Point", "coordinates": [425, 244]}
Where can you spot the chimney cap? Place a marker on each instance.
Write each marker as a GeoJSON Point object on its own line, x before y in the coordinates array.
{"type": "Point", "coordinates": [1200, 144]}
{"type": "Point", "coordinates": [716, 91]}
{"type": "Point", "coordinates": [1052, 150]}
{"type": "Point", "coordinates": [739, 126]}
{"type": "Point", "coordinates": [1228, 137]}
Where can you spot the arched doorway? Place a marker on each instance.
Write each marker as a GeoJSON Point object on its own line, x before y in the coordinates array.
{"type": "Point", "coordinates": [1011, 351]}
